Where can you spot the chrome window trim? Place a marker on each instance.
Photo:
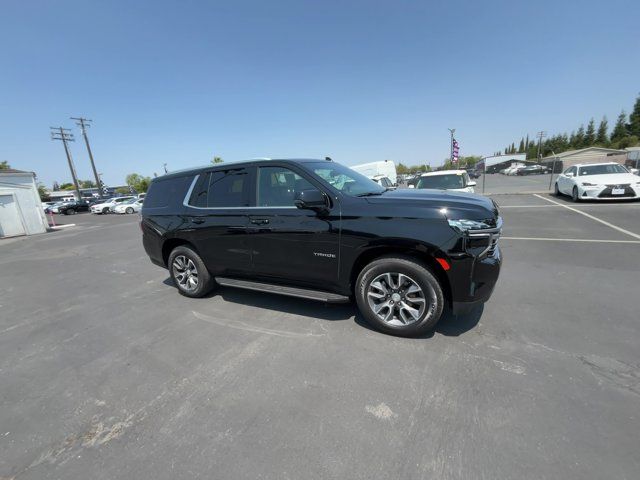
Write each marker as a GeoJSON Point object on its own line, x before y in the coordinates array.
{"type": "Point", "coordinates": [185, 202]}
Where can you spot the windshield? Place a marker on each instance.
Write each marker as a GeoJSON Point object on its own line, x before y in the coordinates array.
{"type": "Point", "coordinates": [442, 182]}
{"type": "Point", "coordinates": [346, 180]}
{"type": "Point", "coordinates": [602, 169]}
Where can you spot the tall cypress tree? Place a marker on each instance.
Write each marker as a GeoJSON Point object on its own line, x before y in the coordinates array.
{"type": "Point", "coordinates": [521, 147]}
{"type": "Point", "coordinates": [590, 135]}
{"type": "Point", "coordinates": [602, 137]}
{"type": "Point", "coordinates": [620, 129]}
{"type": "Point", "coordinates": [634, 119]}
{"type": "Point", "coordinates": [579, 142]}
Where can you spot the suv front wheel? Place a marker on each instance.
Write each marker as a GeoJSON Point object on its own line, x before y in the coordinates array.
{"type": "Point", "coordinates": [400, 296]}
{"type": "Point", "coordinates": [189, 273]}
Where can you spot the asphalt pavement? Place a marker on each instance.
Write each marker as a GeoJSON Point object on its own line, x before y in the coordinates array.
{"type": "Point", "coordinates": [106, 372]}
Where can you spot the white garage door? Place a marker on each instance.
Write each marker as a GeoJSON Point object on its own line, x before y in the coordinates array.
{"type": "Point", "coordinates": [10, 221]}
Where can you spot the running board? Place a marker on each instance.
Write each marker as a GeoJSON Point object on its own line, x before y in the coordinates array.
{"type": "Point", "coordinates": [283, 290]}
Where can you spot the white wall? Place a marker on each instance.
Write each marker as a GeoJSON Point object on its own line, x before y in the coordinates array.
{"type": "Point", "coordinates": [23, 186]}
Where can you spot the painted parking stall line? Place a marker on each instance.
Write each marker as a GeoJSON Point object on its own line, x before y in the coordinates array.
{"type": "Point", "coordinates": [611, 225]}
{"type": "Point", "coordinates": [580, 240]}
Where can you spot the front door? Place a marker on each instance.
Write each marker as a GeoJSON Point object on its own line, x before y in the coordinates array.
{"type": "Point", "coordinates": [288, 244]}
{"type": "Point", "coordinates": [217, 215]}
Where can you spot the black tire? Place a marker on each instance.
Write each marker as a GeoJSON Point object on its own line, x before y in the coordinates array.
{"type": "Point", "coordinates": [205, 282]}
{"type": "Point", "coordinates": [129, 210]}
{"type": "Point", "coordinates": [105, 210]}
{"type": "Point", "coordinates": [70, 211]}
{"type": "Point", "coordinates": [416, 271]}
{"type": "Point", "coordinates": [575, 196]}
{"type": "Point", "coordinates": [556, 190]}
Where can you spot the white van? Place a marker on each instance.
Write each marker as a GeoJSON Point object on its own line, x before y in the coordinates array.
{"type": "Point", "coordinates": [385, 168]}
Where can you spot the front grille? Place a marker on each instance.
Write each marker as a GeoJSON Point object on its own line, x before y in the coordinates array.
{"type": "Point", "coordinates": [628, 191]}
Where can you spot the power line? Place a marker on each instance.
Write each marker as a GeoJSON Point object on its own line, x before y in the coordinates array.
{"type": "Point", "coordinates": [84, 123]}
{"type": "Point", "coordinates": [65, 135]}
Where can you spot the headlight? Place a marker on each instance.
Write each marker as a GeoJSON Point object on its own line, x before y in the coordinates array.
{"type": "Point", "coordinates": [463, 225]}
{"type": "Point", "coordinates": [587, 184]}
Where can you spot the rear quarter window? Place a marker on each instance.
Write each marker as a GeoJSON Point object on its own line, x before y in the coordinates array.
{"type": "Point", "coordinates": [163, 193]}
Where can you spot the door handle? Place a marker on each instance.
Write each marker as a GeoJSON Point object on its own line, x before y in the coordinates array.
{"type": "Point", "coordinates": [259, 221]}
{"type": "Point", "coordinates": [197, 220]}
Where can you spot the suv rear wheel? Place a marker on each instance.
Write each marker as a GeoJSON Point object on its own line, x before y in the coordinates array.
{"type": "Point", "coordinates": [400, 296]}
{"type": "Point", "coordinates": [189, 273]}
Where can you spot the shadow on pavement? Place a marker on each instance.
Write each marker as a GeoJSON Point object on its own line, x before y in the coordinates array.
{"type": "Point", "coordinates": [449, 325]}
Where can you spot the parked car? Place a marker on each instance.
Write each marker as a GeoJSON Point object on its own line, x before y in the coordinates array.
{"type": "Point", "coordinates": [71, 208]}
{"type": "Point", "coordinates": [318, 230]}
{"type": "Point", "coordinates": [532, 170]}
{"type": "Point", "coordinates": [383, 181]}
{"type": "Point", "coordinates": [132, 206]}
{"type": "Point", "coordinates": [108, 205]}
{"type": "Point", "coordinates": [54, 208]}
{"type": "Point", "coordinates": [47, 205]}
{"type": "Point", "coordinates": [597, 181]}
{"type": "Point", "coordinates": [456, 180]}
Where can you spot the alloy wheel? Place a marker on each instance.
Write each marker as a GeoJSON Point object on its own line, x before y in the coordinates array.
{"type": "Point", "coordinates": [396, 299]}
{"type": "Point", "coordinates": [185, 273]}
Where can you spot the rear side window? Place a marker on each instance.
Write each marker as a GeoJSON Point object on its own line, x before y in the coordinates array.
{"type": "Point", "coordinates": [200, 192]}
{"type": "Point", "coordinates": [228, 188]}
{"type": "Point", "coordinates": [162, 193]}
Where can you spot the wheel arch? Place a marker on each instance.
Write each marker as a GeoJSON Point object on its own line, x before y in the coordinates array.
{"type": "Point", "coordinates": [170, 244]}
{"type": "Point", "coordinates": [424, 254]}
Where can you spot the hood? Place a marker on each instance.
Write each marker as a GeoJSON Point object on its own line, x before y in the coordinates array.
{"type": "Point", "coordinates": [459, 204]}
{"type": "Point", "coordinates": [609, 179]}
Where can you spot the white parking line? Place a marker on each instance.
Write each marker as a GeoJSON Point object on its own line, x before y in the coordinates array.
{"type": "Point", "coordinates": [611, 225]}
{"type": "Point", "coordinates": [528, 206]}
{"type": "Point", "coordinates": [585, 240]}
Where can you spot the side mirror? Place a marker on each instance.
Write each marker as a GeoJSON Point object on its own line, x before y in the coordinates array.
{"type": "Point", "coordinates": [569, 174]}
{"type": "Point", "coordinates": [471, 184]}
{"type": "Point", "coordinates": [310, 200]}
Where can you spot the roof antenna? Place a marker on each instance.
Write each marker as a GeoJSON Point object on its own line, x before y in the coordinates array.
{"type": "Point", "coordinates": [328, 159]}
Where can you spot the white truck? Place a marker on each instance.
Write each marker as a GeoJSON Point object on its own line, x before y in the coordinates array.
{"type": "Point", "coordinates": [376, 170]}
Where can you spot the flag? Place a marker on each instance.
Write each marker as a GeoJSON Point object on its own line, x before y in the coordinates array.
{"type": "Point", "coordinates": [456, 150]}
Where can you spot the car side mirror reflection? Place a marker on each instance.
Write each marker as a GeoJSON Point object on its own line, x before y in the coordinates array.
{"type": "Point", "coordinates": [310, 200]}
{"type": "Point", "coordinates": [570, 174]}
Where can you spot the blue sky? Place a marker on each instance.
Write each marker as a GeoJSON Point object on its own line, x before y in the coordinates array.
{"type": "Point", "coordinates": [177, 82]}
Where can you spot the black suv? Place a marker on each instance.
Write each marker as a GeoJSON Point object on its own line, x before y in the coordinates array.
{"type": "Point", "coordinates": [318, 230]}
{"type": "Point", "coordinates": [72, 208]}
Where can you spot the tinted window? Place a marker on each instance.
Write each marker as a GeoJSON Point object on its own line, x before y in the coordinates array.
{"type": "Point", "coordinates": [163, 192]}
{"type": "Point", "coordinates": [277, 186]}
{"type": "Point", "coordinates": [229, 188]}
{"type": "Point", "coordinates": [200, 191]}
{"type": "Point", "coordinates": [602, 169]}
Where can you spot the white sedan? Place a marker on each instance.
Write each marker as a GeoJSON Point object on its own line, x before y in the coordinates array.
{"type": "Point", "coordinates": [456, 180]}
{"type": "Point", "coordinates": [597, 181]}
{"type": "Point", "coordinates": [131, 206]}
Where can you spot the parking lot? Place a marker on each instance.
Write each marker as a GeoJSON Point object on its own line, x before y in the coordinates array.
{"type": "Point", "coordinates": [107, 372]}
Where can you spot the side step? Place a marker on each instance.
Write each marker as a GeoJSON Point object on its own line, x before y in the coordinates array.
{"type": "Point", "coordinates": [283, 290]}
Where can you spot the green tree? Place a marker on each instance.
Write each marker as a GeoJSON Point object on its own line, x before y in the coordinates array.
{"type": "Point", "coordinates": [123, 190]}
{"type": "Point", "coordinates": [521, 146]}
{"type": "Point", "coordinates": [4, 165]}
{"type": "Point", "coordinates": [402, 169]}
{"type": "Point", "coordinates": [590, 135]}
{"type": "Point", "coordinates": [139, 183]}
{"type": "Point", "coordinates": [87, 184]}
{"type": "Point", "coordinates": [42, 191]}
{"type": "Point", "coordinates": [620, 128]}
{"type": "Point", "coordinates": [215, 160]}
{"type": "Point", "coordinates": [634, 119]}
{"type": "Point", "coordinates": [67, 186]}
{"type": "Point", "coordinates": [630, 141]}
{"type": "Point", "coordinates": [579, 139]}
{"type": "Point", "coordinates": [602, 137]}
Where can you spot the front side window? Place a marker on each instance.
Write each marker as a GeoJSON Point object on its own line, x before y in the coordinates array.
{"type": "Point", "coordinates": [277, 187]}
{"type": "Point", "coordinates": [344, 179]}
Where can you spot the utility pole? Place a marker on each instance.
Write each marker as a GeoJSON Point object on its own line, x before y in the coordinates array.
{"type": "Point", "coordinates": [451, 131]}
{"type": "Point", "coordinates": [84, 123]}
{"type": "Point", "coordinates": [540, 136]}
{"type": "Point", "coordinates": [65, 135]}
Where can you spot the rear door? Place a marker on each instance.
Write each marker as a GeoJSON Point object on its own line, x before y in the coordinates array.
{"type": "Point", "coordinates": [289, 244]}
{"type": "Point", "coordinates": [217, 210]}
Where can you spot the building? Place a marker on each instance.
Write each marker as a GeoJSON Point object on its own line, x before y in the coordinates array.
{"type": "Point", "coordinates": [87, 193]}
{"type": "Point", "coordinates": [21, 210]}
{"type": "Point", "coordinates": [633, 157]}
{"type": "Point", "coordinates": [569, 158]}
{"type": "Point", "coordinates": [500, 162]}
